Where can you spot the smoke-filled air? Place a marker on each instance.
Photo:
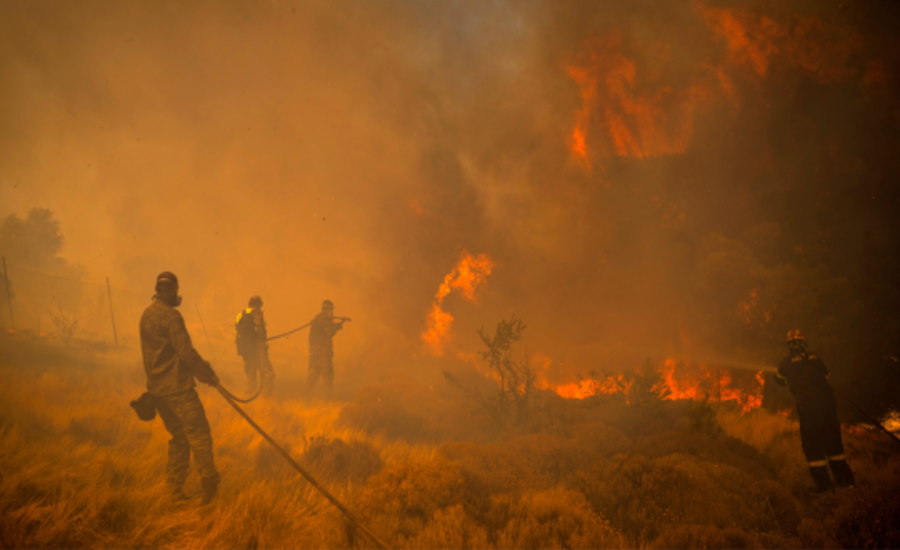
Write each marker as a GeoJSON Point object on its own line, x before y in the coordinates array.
{"type": "Point", "coordinates": [474, 274]}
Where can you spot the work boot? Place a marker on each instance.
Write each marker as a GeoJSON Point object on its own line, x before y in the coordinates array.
{"type": "Point", "coordinates": [210, 489]}
{"type": "Point", "coordinates": [843, 475]}
{"type": "Point", "coordinates": [822, 479]}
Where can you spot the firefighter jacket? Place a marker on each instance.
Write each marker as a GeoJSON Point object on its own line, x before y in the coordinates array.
{"type": "Point", "coordinates": [321, 330]}
{"type": "Point", "coordinates": [250, 331]}
{"type": "Point", "coordinates": [170, 360]}
{"type": "Point", "coordinates": [805, 375]}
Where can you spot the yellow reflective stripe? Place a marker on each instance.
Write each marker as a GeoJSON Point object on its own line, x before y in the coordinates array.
{"type": "Point", "coordinates": [818, 463]}
{"type": "Point", "coordinates": [836, 458]}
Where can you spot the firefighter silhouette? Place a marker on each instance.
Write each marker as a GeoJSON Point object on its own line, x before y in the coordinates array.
{"type": "Point", "coordinates": [820, 432]}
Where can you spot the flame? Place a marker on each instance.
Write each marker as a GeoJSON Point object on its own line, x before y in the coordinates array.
{"type": "Point", "coordinates": [626, 112]}
{"type": "Point", "coordinates": [805, 43]}
{"type": "Point", "coordinates": [468, 274]}
{"type": "Point", "coordinates": [683, 381]}
{"type": "Point", "coordinates": [642, 124]}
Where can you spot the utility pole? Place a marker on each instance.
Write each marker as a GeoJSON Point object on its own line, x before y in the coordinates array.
{"type": "Point", "coordinates": [12, 322]}
{"type": "Point", "coordinates": [111, 314]}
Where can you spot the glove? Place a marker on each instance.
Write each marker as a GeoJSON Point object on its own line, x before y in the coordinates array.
{"type": "Point", "coordinates": [204, 373]}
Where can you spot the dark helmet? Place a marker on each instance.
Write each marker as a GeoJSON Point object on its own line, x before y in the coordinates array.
{"type": "Point", "coordinates": [255, 301]}
{"type": "Point", "coordinates": [327, 303]}
{"type": "Point", "coordinates": [166, 281]}
{"type": "Point", "coordinates": [796, 338]}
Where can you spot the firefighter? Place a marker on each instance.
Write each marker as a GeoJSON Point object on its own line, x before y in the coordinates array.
{"type": "Point", "coordinates": [321, 349]}
{"type": "Point", "coordinates": [250, 337]}
{"type": "Point", "coordinates": [171, 364]}
{"type": "Point", "coordinates": [820, 432]}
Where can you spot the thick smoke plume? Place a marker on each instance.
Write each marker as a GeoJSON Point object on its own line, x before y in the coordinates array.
{"type": "Point", "coordinates": [682, 180]}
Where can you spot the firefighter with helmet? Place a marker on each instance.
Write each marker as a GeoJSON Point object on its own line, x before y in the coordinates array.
{"type": "Point", "coordinates": [250, 337]}
{"type": "Point", "coordinates": [820, 432]}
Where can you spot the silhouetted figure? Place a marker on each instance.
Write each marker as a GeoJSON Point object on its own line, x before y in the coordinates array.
{"type": "Point", "coordinates": [321, 349]}
{"type": "Point", "coordinates": [820, 431]}
{"type": "Point", "coordinates": [250, 337]}
{"type": "Point", "coordinates": [171, 364]}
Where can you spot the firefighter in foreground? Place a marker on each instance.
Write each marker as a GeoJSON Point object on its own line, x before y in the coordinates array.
{"type": "Point", "coordinates": [321, 349]}
{"type": "Point", "coordinates": [820, 431]}
{"type": "Point", "coordinates": [250, 329]}
{"type": "Point", "coordinates": [171, 364]}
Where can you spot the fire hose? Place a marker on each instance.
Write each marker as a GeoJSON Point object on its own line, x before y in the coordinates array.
{"type": "Point", "coordinates": [232, 401]}
{"type": "Point", "coordinates": [288, 333]}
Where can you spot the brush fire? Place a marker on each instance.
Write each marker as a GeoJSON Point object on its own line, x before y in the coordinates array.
{"type": "Point", "coordinates": [450, 274]}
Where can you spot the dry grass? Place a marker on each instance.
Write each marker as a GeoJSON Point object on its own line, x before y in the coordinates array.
{"type": "Point", "coordinates": [78, 469]}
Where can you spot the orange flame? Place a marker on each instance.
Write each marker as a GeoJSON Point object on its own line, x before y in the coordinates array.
{"type": "Point", "coordinates": [805, 43]}
{"type": "Point", "coordinates": [683, 381]}
{"type": "Point", "coordinates": [658, 122]}
{"type": "Point", "coordinates": [465, 277]}
{"type": "Point", "coordinates": [630, 114]}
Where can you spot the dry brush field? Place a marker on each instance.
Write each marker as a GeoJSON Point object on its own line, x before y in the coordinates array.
{"type": "Point", "coordinates": [420, 467]}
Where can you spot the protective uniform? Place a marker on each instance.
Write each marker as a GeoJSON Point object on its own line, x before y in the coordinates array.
{"type": "Point", "coordinates": [321, 350]}
{"type": "Point", "coordinates": [171, 363]}
{"type": "Point", "coordinates": [250, 329]}
{"type": "Point", "coordinates": [820, 431]}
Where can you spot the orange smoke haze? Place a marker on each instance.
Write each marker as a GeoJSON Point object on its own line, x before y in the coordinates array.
{"type": "Point", "coordinates": [636, 169]}
{"type": "Point", "coordinates": [465, 277]}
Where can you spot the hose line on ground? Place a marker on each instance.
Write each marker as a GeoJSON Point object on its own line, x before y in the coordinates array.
{"type": "Point", "coordinates": [228, 397]}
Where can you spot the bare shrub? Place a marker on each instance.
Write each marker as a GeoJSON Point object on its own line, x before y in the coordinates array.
{"type": "Point", "coordinates": [339, 461]}
{"type": "Point", "coordinates": [65, 324]}
{"type": "Point", "coordinates": [703, 418]}
{"type": "Point", "coordinates": [511, 405]}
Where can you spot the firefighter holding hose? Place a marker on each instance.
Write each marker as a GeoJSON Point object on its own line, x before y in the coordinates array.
{"type": "Point", "coordinates": [820, 432]}
{"type": "Point", "coordinates": [250, 337]}
{"type": "Point", "coordinates": [321, 349]}
{"type": "Point", "coordinates": [171, 364]}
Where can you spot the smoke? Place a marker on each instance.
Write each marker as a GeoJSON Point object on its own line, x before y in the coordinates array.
{"type": "Point", "coordinates": [353, 150]}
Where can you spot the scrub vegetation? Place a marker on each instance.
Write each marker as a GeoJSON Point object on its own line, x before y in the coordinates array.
{"type": "Point", "coordinates": [421, 466]}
